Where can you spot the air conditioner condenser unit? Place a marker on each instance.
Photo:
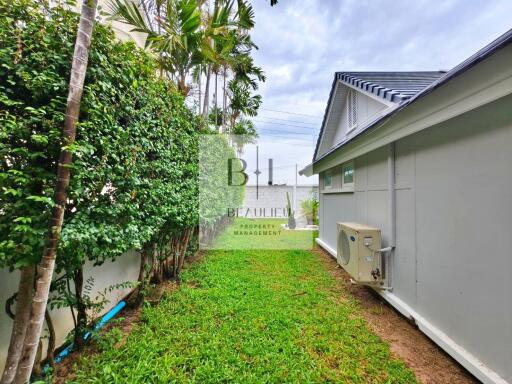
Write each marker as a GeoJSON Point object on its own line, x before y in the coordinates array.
{"type": "Point", "coordinates": [359, 252]}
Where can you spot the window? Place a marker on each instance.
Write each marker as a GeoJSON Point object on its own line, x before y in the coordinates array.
{"type": "Point", "coordinates": [327, 180]}
{"type": "Point", "coordinates": [352, 109]}
{"type": "Point", "coordinates": [347, 176]}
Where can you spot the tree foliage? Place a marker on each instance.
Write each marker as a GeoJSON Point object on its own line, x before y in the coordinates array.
{"type": "Point", "coordinates": [135, 165]}
{"type": "Point", "coordinates": [135, 171]}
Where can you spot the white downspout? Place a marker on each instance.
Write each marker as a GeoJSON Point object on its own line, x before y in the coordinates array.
{"type": "Point", "coordinates": [392, 215]}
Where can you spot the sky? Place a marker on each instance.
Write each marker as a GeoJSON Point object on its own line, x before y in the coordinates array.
{"type": "Point", "coordinates": [303, 42]}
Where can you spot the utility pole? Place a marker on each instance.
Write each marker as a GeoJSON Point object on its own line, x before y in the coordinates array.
{"type": "Point", "coordinates": [295, 191]}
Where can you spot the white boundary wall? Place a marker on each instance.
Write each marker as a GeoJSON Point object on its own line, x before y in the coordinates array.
{"type": "Point", "coordinates": [124, 268]}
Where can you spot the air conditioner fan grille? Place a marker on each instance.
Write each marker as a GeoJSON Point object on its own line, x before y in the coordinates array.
{"type": "Point", "coordinates": [345, 248]}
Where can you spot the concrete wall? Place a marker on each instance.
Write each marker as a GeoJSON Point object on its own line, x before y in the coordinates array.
{"type": "Point", "coordinates": [275, 197]}
{"type": "Point", "coordinates": [125, 268]}
{"type": "Point", "coordinates": [452, 260]}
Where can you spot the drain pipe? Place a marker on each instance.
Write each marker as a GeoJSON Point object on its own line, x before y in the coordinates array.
{"type": "Point", "coordinates": [392, 216]}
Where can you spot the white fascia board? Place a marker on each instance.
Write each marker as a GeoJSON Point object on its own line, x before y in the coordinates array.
{"type": "Point", "coordinates": [466, 359]}
{"type": "Point", "coordinates": [483, 84]}
{"type": "Point", "coordinates": [327, 118]}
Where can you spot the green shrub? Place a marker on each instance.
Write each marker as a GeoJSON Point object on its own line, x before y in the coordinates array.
{"type": "Point", "coordinates": [135, 166]}
{"type": "Point", "coordinates": [135, 158]}
{"type": "Point", "coordinates": [310, 209]}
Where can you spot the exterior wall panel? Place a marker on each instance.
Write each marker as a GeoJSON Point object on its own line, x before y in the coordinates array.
{"type": "Point", "coordinates": [337, 207]}
{"type": "Point", "coordinates": [464, 217]}
{"type": "Point", "coordinates": [361, 207]}
{"type": "Point", "coordinates": [453, 258]}
{"type": "Point", "coordinates": [404, 265]}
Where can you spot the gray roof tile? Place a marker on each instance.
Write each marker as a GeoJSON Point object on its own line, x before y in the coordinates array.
{"type": "Point", "coordinates": [392, 86]}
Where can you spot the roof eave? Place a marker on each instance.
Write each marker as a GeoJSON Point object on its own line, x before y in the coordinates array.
{"type": "Point", "coordinates": [458, 70]}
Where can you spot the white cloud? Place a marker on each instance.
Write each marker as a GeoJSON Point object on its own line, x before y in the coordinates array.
{"type": "Point", "coordinates": [303, 42]}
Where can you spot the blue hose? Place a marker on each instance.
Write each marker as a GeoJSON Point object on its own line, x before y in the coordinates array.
{"type": "Point", "coordinates": [100, 324]}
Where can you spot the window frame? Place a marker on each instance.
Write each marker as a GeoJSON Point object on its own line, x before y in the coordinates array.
{"type": "Point", "coordinates": [348, 186]}
{"type": "Point", "coordinates": [330, 175]}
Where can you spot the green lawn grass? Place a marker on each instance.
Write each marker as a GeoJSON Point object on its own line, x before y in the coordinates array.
{"type": "Point", "coordinates": [247, 233]}
{"type": "Point", "coordinates": [250, 316]}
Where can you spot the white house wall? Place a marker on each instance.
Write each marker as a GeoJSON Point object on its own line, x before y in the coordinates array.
{"type": "Point", "coordinates": [452, 264]}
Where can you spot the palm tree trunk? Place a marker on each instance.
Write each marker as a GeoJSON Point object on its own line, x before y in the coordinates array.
{"type": "Point", "coordinates": [47, 264]}
{"type": "Point", "coordinates": [207, 93]}
{"type": "Point", "coordinates": [19, 327]}
{"type": "Point", "coordinates": [199, 83]}
{"type": "Point", "coordinates": [216, 99]}
{"type": "Point", "coordinates": [224, 102]}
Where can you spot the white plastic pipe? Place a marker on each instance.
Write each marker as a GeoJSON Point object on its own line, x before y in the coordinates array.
{"type": "Point", "coordinates": [392, 214]}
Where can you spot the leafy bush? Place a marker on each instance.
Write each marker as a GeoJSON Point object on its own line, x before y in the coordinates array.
{"type": "Point", "coordinates": [216, 196]}
{"type": "Point", "coordinates": [134, 179]}
{"type": "Point", "coordinates": [310, 209]}
{"type": "Point", "coordinates": [135, 159]}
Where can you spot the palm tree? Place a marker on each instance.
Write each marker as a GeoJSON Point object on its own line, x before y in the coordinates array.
{"type": "Point", "coordinates": [243, 103]}
{"type": "Point", "coordinates": [218, 43]}
{"type": "Point", "coordinates": [229, 51]}
{"type": "Point", "coordinates": [243, 132]}
{"type": "Point", "coordinates": [46, 266]}
{"type": "Point", "coordinates": [173, 33]}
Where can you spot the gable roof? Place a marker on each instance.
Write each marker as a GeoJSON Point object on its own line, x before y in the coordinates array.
{"type": "Point", "coordinates": [363, 80]}
{"type": "Point", "coordinates": [392, 86]}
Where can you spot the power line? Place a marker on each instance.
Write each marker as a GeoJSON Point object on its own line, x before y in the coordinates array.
{"type": "Point", "coordinates": [289, 125]}
{"type": "Point", "coordinates": [291, 113]}
{"type": "Point", "coordinates": [290, 132]}
{"type": "Point", "coordinates": [292, 141]}
{"type": "Point", "coordinates": [291, 121]}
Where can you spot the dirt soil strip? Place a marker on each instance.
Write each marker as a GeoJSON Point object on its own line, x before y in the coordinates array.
{"type": "Point", "coordinates": [429, 362]}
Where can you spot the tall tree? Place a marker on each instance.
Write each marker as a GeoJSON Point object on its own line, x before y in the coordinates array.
{"type": "Point", "coordinates": [46, 266]}
{"type": "Point", "coordinates": [217, 44]}
{"type": "Point", "coordinates": [243, 103]}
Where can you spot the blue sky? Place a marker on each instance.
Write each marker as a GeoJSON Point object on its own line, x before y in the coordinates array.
{"type": "Point", "coordinates": [303, 42]}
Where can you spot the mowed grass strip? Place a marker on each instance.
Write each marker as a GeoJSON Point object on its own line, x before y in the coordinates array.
{"type": "Point", "coordinates": [249, 316]}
